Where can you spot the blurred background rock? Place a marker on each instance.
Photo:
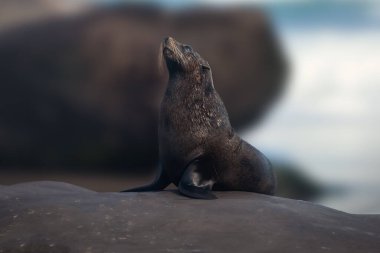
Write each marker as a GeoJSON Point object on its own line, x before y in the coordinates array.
{"type": "Point", "coordinates": [85, 90]}
{"type": "Point", "coordinates": [80, 89]}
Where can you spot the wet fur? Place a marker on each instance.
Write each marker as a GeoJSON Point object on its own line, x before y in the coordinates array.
{"type": "Point", "coordinates": [199, 150]}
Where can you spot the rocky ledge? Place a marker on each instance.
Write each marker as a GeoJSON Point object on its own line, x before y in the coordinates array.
{"type": "Point", "coordinates": [59, 217]}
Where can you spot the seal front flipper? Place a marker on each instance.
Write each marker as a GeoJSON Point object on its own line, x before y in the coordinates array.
{"type": "Point", "coordinates": [160, 183]}
{"type": "Point", "coordinates": [197, 180]}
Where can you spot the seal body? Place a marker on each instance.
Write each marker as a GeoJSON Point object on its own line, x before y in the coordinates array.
{"type": "Point", "coordinates": [198, 148]}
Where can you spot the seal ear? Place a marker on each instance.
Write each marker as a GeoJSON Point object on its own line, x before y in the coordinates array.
{"type": "Point", "coordinates": [197, 180]}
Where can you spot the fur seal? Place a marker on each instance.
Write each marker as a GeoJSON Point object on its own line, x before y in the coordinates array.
{"type": "Point", "coordinates": [198, 148]}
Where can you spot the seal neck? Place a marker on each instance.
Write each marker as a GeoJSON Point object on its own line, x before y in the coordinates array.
{"type": "Point", "coordinates": [194, 85]}
{"type": "Point", "coordinates": [197, 78]}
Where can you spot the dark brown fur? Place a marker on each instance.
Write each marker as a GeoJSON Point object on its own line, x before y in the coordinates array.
{"type": "Point", "coordinates": [199, 150]}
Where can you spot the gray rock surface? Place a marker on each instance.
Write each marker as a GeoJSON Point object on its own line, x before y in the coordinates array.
{"type": "Point", "coordinates": [58, 217]}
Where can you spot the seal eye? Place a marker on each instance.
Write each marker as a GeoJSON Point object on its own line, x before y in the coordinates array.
{"type": "Point", "coordinates": [205, 66]}
{"type": "Point", "coordinates": [187, 49]}
{"type": "Point", "coordinates": [168, 52]}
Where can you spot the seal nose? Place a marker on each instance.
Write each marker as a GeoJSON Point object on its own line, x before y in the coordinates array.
{"type": "Point", "coordinates": [169, 41]}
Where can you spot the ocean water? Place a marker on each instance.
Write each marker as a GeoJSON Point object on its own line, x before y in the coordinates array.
{"type": "Point", "coordinates": [328, 120]}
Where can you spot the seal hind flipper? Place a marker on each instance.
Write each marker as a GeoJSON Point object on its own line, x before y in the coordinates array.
{"type": "Point", "coordinates": [160, 183]}
{"type": "Point", "coordinates": [197, 180]}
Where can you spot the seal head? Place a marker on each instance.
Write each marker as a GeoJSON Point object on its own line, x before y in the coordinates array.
{"type": "Point", "coordinates": [181, 58]}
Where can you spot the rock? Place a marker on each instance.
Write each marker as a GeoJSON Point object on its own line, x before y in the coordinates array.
{"type": "Point", "coordinates": [59, 217]}
{"type": "Point", "coordinates": [85, 90]}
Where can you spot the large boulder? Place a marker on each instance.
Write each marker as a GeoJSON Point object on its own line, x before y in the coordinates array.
{"type": "Point", "coordinates": [85, 89]}
{"type": "Point", "coordinates": [59, 217]}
